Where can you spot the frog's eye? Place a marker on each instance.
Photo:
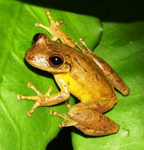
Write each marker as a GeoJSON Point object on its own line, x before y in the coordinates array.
{"type": "Point", "coordinates": [36, 37]}
{"type": "Point", "coordinates": [56, 60]}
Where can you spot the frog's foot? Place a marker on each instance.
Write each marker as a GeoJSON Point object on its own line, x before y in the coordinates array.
{"type": "Point", "coordinates": [83, 48]}
{"type": "Point", "coordinates": [55, 30]}
{"type": "Point", "coordinates": [54, 25]}
{"type": "Point", "coordinates": [67, 120]}
{"type": "Point", "coordinates": [40, 98]}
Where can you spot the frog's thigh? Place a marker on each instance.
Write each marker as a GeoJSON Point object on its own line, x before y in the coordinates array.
{"type": "Point", "coordinates": [90, 120]}
{"type": "Point", "coordinates": [111, 75]}
{"type": "Point", "coordinates": [99, 106]}
{"type": "Point", "coordinates": [94, 123]}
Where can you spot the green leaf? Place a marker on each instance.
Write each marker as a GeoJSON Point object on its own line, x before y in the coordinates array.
{"type": "Point", "coordinates": [17, 130]}
{"type": "Point", "coordinates": [121, 46]}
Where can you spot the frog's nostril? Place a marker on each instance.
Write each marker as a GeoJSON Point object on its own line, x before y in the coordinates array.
{"type": "Point", "coordinates": [30, 58]}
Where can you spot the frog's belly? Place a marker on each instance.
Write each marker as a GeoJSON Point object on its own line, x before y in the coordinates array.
{"type": "Point", "coordinates": [90, 91]}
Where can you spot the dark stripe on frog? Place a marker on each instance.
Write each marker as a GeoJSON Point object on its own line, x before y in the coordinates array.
{"type": "Point", "coordinates": [76, 60]}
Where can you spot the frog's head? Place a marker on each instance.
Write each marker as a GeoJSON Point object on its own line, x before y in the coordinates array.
{"type": "Point", "coordinates": [44, 55]}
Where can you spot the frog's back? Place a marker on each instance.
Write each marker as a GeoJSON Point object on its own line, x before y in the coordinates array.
{"type": "Point", "coordinates": [86, 80]}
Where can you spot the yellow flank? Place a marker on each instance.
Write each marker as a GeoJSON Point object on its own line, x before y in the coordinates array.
{"type": "Point", "coordinates": [81, 91]}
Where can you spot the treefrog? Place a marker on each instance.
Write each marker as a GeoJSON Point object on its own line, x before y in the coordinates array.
{"type": "Point", "coordinates": [82, 74]}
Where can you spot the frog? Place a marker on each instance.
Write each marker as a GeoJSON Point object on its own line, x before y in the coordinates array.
{"type": "Point", "coordinates": [80, 73]}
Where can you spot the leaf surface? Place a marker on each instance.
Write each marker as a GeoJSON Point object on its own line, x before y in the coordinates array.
{"type": "Point", "coordinates": [17, 130]}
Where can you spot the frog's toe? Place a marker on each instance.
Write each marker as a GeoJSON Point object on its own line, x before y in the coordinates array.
{"type": "Point", "coordinates": [47, 10]}
{"type": "Point", "coordinates": [67, 104]}
{"type": "Point", "coordinates": [37, 24]}
{"type": "Point", "coordinates": [61, 125]}
{"type": "Point", "coordinates": [19, 97]}
{"type": "Point", "coordinates": [49, 91]}
{"type": "Point", "coordinates": [52, 113]}
{"type": "Point", "coordinates": [35, 106]}
{"type": "Point", "coordinates": [30, 112]}
{"type": "Point", "coordinates": [61, 22]}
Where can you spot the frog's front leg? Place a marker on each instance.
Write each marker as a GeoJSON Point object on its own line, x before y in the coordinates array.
{"type": "Point", "coordinates": [87, 118]}
{"type": "Point", "coordinates": [46, 99]}
{"type": "Point", "coordinates": [55, 30]}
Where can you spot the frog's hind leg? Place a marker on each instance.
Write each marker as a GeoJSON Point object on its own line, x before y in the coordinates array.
{"type": "Point", "coordinates": [94, 123]}
{"type": "Point", "coordinates": [111, 75]}
{"type": "Point", "coordinates": [101, 123]}
{"type": "Point", "coordinates": [90, 122]}
{"type": "Point", "coordinates": [89, 115]}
